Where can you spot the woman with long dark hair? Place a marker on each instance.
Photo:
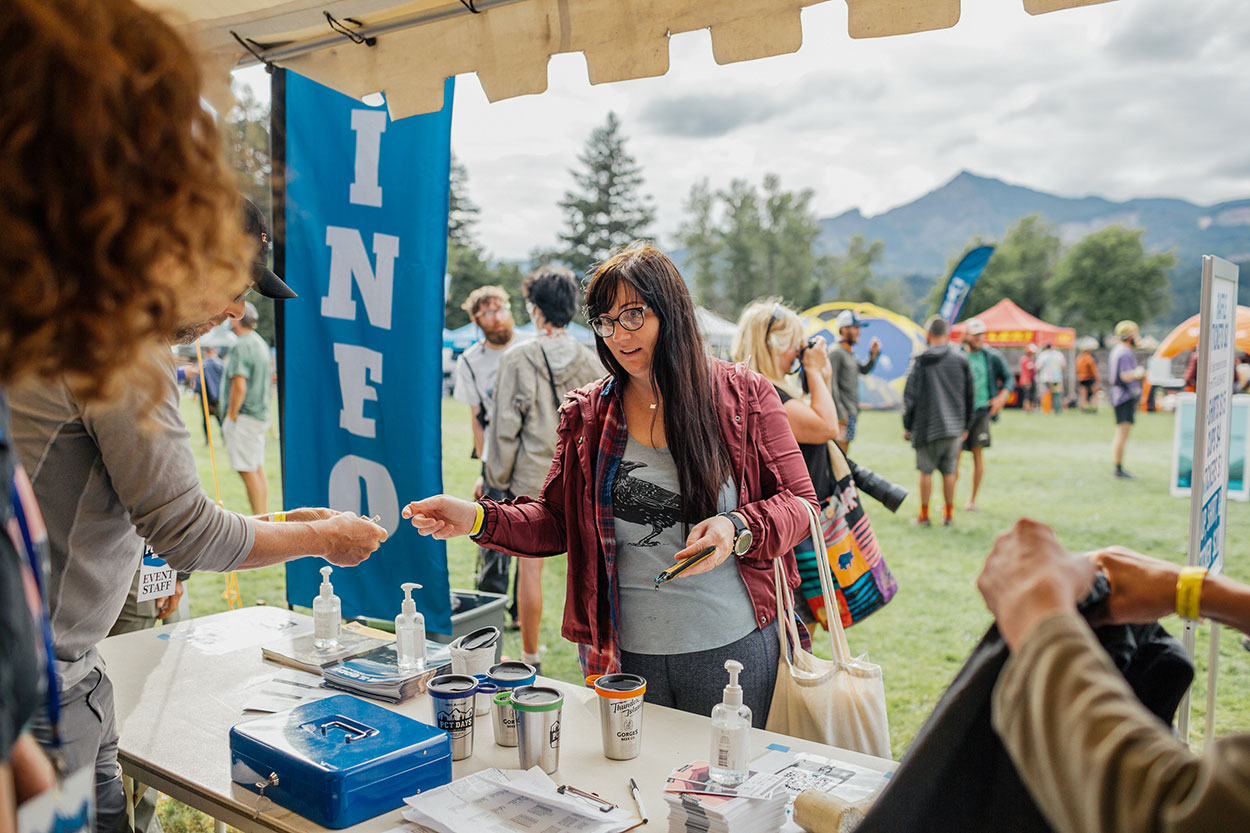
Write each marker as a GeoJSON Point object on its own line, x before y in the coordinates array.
{"type": "Point", "coordinates": [671, 454]}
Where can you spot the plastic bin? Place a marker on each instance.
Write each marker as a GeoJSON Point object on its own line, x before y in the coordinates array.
{"type": "Point", "coordinates": [473, 609]}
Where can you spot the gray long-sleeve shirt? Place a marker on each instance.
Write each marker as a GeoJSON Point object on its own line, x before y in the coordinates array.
{"type": "Point", "coordinates": [106, 480]}
{"type": "Point", "coordinates": [846, 372]}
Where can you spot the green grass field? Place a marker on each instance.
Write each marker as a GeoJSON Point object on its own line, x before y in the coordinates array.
{"type": "Point", "coordinates": [1056, 469]}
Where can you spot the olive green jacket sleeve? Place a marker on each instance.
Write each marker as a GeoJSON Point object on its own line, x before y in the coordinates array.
{"type": "Point", "coordinates": [1091, 755]}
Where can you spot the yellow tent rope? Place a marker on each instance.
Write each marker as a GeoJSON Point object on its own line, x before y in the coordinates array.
{"type": "Point", "coordinates": [231, 593]}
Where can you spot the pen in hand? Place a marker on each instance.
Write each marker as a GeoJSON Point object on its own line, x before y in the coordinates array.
{"type": "Point", "coordinates": [681, 566]}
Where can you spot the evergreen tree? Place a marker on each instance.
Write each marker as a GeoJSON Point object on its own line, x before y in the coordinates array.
{"type": "Point", "coordinates": [790, 228]}
{"type": "Point", "coordinates": [607, 208]}
{"type": "Point", "coordinates": [742, 239]}
{"type": "Point", "coordinates": [245, 136]}
{"type": "Point", "coordinates": [852, 277]}
{"type": "Point", "coordinates": [468, 266]}
{"type": "Point", "coordinates": [703, 244]}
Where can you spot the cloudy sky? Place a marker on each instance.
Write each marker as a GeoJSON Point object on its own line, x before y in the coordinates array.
{"type": "Point", "coordinates": [1128, 99]}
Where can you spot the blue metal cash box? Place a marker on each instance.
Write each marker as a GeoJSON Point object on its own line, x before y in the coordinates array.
{"type": "Point", "coordinates": [340, 760]}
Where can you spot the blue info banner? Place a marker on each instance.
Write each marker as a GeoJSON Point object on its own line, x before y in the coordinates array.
{"type": "Point", "coordinates": [366, 249]}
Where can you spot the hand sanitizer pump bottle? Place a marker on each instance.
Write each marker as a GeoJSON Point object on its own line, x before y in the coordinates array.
{"type": "Point", "coordinates": [731, 733]}
{"type": "Point", "coordinates": [410, 632]}
{"type": "Point", "coordinates": [327, 614]}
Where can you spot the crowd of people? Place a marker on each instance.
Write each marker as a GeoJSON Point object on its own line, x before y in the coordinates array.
{"type": "Point", "coordinates": [125, 233]}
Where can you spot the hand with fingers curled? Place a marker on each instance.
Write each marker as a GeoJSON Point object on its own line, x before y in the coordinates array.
{"type": "Point", "coordinates": [350, 538]}
{"type": "Point", "coordinates": [442, 516]}
{"type": "Point", "coordinates": [1028, 575]}
{"type": "Point", "coordinates": [716, 531]}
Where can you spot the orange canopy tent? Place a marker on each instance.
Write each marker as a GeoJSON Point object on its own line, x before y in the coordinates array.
{"type": "Point", "coordinates": [1009, 326]}
{"type": "Point", "coordinates": [1185, 337]}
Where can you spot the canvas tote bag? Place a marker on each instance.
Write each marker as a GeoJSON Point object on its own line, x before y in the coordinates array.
{"type": "Point", "coordinates": [841, 701]}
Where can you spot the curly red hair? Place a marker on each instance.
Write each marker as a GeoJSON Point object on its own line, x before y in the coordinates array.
{"type": "Point", "coordinates": [115, 199]}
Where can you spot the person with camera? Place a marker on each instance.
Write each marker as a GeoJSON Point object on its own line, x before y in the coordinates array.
{"type": "Point", "coordinates": [770, 341]}
{"type": "Point", "coordinates": [675, 455]}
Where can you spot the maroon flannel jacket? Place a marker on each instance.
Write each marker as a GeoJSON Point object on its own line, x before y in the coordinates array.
{"type": "Point", "coordinates": [767, 467]}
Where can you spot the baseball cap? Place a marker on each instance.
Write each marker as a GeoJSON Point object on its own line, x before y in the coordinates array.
{"type": "Point", "coordinates": [266, 282]}
{"type": "Point", "coordinates": [1125, 327]}
{"type": "Point", "coordinates": [1032, 348]}
{"type": "Point", "coordinates": [974, 327]}
{"type": "Point", "coordinates": [250, 315]}
{"type": "Point", "coordinates": [848, 318]}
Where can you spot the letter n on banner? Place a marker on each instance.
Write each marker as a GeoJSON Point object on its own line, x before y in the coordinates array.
{"type": "Point", "coordinates": [365, 246]}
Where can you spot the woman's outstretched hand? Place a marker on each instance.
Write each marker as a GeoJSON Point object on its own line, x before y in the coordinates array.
{"type": "Point", "coordinates": [442, 516]}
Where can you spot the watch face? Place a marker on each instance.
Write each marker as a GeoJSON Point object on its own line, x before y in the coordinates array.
{"type": "Point", "coordinates": [743, 542]}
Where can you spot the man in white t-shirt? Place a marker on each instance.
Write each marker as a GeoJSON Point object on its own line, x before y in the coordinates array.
{"type": "Point", "coordinates": [476, 372]}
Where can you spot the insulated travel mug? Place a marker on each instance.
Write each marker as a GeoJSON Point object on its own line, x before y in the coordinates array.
{"type": "Point", "coordinates": [507, 676]}
{"type": "Point", "coordinates": [620, 713]}
{"type": "Point", "coordinates": [538, 726]}
{"type": "Point", "coordinates": [453, 710]}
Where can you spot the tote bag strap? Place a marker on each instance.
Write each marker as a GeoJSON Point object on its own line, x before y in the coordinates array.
{"type": "Point", "coordinates": [787, 630]}
{"type": "Point", "coordinates": [841, 649]}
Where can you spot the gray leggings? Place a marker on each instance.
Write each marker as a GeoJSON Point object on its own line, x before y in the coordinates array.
{"type": "Point", "coordinates": [695, 682]}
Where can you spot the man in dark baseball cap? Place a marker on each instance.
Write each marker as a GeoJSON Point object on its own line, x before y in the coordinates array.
{"type": "Point", "coordinates": [264, 280]}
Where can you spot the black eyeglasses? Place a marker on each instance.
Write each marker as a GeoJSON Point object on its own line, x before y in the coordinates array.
{"type": "Point", "coordinates": [779, 315]}
{"type": "Point", "coordinates": [630, 319]}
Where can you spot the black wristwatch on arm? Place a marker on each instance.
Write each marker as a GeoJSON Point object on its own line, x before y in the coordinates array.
{"type": "Point", "coordinates": [742, 533]}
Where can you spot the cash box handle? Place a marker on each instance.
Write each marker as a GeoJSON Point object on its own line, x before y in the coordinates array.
{"type": "Point", "coordinates": [351, 729]}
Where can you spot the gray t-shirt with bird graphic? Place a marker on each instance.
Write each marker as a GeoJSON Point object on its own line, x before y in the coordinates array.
{"type": "Point", "coordinates": [689, 613]}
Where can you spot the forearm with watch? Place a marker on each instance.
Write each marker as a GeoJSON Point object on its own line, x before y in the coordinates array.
{"type": "Point", "coordinates": [743, 538]}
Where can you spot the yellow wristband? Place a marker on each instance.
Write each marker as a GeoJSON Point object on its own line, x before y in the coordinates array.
{"type": "Point", "coordinates": [1189, 592]}
{"type": "Point", "coordinates": [477, 520]}
{"type": "Point", "coordinates": [279, 517]}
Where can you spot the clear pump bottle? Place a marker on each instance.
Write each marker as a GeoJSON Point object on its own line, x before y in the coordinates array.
{"type": "Point", "coordinates": [730, 756]}
{"type": "Point", "coordinates": [327, 614]}
{"type": "Point", "coordinates": [410, 632]}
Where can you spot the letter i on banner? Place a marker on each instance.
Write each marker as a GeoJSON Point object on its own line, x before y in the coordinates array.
{"type": "Point", "coordinates": [1208, 497]}
{"type": "Point", "coordinates": [366, 249]}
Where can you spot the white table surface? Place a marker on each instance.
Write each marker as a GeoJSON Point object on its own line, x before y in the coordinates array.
{"type": "Point", "coordinates": [179, 689]}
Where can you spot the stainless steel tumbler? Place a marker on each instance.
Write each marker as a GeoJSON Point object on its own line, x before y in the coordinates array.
{"type": "Point", "coordinates": [620, 713]}
{"type": "Point", "coordinates": [453, 710]}
{"type": "Point", "coordinates": [538, 726]}
{"type": "Point", "coordinates": [507, 676]}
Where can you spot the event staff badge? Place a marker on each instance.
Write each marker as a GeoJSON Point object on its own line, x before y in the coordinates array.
{"type": "Point", "coordinates": [156, 578]}
{"type": "Point", "coordinates": [69, 807]}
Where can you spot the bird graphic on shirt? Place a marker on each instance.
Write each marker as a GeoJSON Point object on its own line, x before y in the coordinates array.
{"type": "Point", "coordinates": [643, 503]}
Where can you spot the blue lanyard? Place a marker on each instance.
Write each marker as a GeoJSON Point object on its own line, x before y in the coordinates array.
{"type": "Point", "coordinates": [53, 693]}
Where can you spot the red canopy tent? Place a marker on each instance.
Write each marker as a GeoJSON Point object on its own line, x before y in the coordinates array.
{"type": "Point", "coordinates": [1009, 326]}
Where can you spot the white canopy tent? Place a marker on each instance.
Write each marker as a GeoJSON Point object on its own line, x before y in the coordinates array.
{"type": "Point", "coordinates": [407, 49]}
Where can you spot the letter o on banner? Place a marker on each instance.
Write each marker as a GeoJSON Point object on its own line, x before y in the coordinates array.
{"type": "Point", "coordinates": [346, 494]}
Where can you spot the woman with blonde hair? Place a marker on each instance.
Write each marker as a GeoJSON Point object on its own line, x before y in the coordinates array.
{"type": "Point", "coordinates": [770, 341]}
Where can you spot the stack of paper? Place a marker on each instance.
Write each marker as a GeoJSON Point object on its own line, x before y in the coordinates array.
{"type": "Point", "coordinates": [708, 813]}
{"type": "Point", "coordinates": [699, 805]}
{"type": "Point", "coordinates": [377, 673]}
{"type": "Point", "coordinates": [505, 801]}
